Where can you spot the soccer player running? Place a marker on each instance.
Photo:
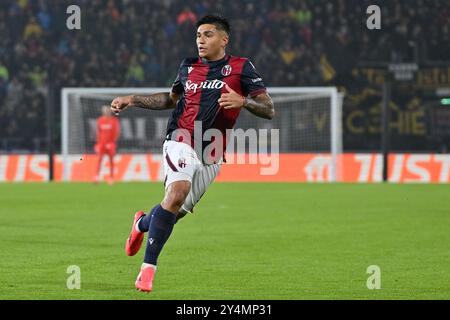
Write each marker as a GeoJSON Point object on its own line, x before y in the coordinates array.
{"type": "Point", "coordinates": [108, 131]}
{"type": "Point", "coordinates": [210, 89]}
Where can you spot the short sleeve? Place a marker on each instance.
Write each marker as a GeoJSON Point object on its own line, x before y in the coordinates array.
{"type": "Point", "coordinates": [177, 86]}
{"type": "Point", "coordinates": [251, 82]}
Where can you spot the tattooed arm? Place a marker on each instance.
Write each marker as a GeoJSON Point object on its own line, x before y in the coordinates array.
{"type": "Point", "coordinates": [156, 101]}
{"type": "Point", "coordinates": [261, 105]}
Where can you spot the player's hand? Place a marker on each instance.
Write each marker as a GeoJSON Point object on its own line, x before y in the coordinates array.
{"type": "Point", "coordinates": [121, 103]}
{"type": "Point", "coordinates": [231, 100]}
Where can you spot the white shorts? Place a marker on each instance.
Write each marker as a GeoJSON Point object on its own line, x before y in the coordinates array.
{"type": "Point", "coordinates": [181, 163]}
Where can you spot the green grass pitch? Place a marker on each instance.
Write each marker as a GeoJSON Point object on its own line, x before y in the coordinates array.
{"type": "Point", "coordinates": [245, 241]}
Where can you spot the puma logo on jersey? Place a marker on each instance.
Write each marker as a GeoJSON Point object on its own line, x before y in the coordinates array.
{"type": "Point", "coordinates": [190, 69]}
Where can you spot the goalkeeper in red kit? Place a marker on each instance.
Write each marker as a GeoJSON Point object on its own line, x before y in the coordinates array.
{"type": "Point", "coordinates": [108, 131]}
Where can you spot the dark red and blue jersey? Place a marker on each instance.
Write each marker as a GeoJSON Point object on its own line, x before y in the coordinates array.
{"type": "Point", "coordinates": [200, 83]}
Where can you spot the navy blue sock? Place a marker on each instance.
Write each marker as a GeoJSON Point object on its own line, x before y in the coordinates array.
{"type": "Point", "coordinates": [144, 222]}
{"type": "Point", "coordinates": [160, 228]}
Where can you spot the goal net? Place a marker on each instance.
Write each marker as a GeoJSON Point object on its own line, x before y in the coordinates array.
{"type": "Point", "coordinates": [308, 119]}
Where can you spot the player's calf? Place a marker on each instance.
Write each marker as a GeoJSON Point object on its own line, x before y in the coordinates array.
{"type": "Point", "coordinates": [159, 224]}
{"type": "Point", "coordinates": [173, 200]}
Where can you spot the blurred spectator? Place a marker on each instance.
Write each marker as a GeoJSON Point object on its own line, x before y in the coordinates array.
{"type": "Point", "coordinates": [135, 73]}
{"type": "Point", "coordinates": [44, 18]}
{"type": "Point", "coordinates": [4, 73]}
{"type": "Point", "coordinates": [186, 16]}
{"type": "Point", "coordinates": [32, 29]}
{"type": "Point", "coordinates": [14, 93]}
{"type": "Point", "coordinates": [288, 54]}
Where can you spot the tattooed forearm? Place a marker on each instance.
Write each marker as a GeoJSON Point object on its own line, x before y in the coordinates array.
{"type": "Point", "coordinates": [261, 106]}
{"type": "Point", "coordinates": [156, 101]}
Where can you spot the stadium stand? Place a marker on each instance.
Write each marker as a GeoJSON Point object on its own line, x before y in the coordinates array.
{"type": "Point", "coordinates": [125, 44]}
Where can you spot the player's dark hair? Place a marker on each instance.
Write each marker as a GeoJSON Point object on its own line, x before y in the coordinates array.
{"type": "Point", "coordinates": [220, 22]}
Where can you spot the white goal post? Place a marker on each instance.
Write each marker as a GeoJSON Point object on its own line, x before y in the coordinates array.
{"type": "Point", "coordinates": [300, 113]}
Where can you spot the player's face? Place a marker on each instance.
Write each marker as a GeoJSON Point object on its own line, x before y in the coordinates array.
{"type": "Point", "coordinates": [211, 42]}
{"type": "Point", "coordinates": [106, 111]}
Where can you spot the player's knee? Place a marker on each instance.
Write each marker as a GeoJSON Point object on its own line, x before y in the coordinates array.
{"type": "Point", "coordinates": [176, 195]}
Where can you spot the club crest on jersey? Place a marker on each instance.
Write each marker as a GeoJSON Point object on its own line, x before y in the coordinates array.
{"type": "Point", "coordinates": [226, 70]}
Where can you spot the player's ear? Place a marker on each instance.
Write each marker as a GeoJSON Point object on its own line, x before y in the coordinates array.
{"type": "Point", "coordinates": [225, 40]}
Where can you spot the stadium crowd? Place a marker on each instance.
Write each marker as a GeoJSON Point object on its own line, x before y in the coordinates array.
{"type": "Point", "coordinates": [135, 43]}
